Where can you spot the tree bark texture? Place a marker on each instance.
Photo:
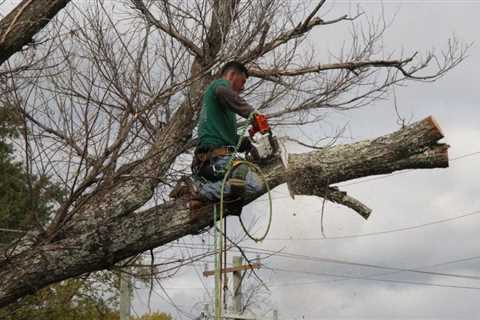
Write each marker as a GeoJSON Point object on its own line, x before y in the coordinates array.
{"type": "Point", "coordinates": [123, 235]}
{"type": "Point", "coordinates": [22, 23]}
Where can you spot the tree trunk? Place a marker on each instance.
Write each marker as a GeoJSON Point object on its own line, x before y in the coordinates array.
{"type": "Point", "coordinates": [22, 23]}
{"type": "Point", "coordinates": [412, 147]}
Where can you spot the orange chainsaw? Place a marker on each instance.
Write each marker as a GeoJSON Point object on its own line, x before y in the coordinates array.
{"type": "Point", "coordinates": [264, 144]}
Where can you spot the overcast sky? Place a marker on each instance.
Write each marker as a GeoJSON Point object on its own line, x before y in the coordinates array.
{"type": "Point", "coordinates": [298, 291]}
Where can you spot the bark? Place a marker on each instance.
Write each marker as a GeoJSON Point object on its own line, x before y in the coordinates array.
{"type": "Point", "coordinates": [121, 236]}
{"type": "Point", "coordinates": [22, 23]}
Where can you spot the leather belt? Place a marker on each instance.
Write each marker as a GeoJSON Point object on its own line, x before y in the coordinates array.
{"type": "Point", "coordinates": [222, 151]}
{"type": "Point", "coordinates": [217, 152]}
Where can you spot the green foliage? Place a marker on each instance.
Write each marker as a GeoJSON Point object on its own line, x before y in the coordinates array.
{"type": "Point", "coordinates": [10, 122]}
{"type": "Point", "coordinates": [155, 316]}
{"type": "Point", "coordinates": [73, 299]}
{"type": "Point", "coordinates": [25, 199]}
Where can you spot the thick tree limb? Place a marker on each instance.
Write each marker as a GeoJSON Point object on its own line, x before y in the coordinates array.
{"type": "Point", "coordinates": [22, 23]}
{"type": "Point", "coordinates": [112, 239]}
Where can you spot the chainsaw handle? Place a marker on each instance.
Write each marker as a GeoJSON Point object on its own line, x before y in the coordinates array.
{"type": "Point", "coordinates": [259, 124]}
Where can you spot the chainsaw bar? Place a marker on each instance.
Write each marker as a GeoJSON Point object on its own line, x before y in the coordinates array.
{"type": "Point", "coordinates": [284, 157]}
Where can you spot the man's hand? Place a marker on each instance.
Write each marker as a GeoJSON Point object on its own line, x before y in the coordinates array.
{"type": "Point", "coordinates": [254, 116]}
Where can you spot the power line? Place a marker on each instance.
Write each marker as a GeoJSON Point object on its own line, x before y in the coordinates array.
{"type": "Point", "coordinates": [464, 156]}
{"type": "Point", "coordinates": [369, 234]}
{"type": "Point", "coordinates": [348, 277]}
{"type": "Point", "coordinates": [369, 278]}
{"type": "Point", "coordinates": [394, 272]}
{"type": "Point", "coordinates": [326, 274]}
{"type": "Point", "coordinates": [294, 256]}
{"type": "Point", "coordinates": [375, 266]}
{"type": "Point", "coordinates": [200, 277]}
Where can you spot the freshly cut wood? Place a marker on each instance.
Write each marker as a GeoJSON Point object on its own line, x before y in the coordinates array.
{"type": "Point", "coordinates": [135, 231]}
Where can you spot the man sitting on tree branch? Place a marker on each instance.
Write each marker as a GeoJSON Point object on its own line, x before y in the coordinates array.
{"type": "Point", "coordinates": [218, 142]}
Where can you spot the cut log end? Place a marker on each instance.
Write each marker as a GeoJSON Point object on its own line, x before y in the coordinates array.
{"type": "Point", "coordinates": [366, 215]}
{"type": "Point", "coordinates": [444, 154]}
{"type": "Point", "coordinates": [435, 125]}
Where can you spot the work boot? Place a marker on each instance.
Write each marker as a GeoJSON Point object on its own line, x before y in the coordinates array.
{"type": "Point", "coordinates": [195, 204]}
{"type": "Point", "coordinates": [234, 206]}
{"type": "Point", "coordinates": [237, 187]}
{"type": "Point", "coordinates": [197, 211]}
{"type": "Point", "coordinates": [182, 188]}
{"type": "Point", "coordinates": [237, 181]}
{"type": "Point", "coordinates": [186, 191]}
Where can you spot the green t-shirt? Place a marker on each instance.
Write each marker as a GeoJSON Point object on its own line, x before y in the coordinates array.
{"type": "Point", "coordinates": [217, 124]}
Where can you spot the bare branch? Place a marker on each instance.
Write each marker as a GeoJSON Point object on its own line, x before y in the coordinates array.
{"type": "Point", "coordinates": [169, 29]}
{"type": "Point", "coordinates": [351, 66]}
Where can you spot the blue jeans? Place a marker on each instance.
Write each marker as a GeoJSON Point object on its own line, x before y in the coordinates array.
{"type": "Point", "coordinates": [211, 190]}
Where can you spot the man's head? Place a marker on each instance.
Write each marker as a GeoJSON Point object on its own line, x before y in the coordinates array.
{"type": "Point", "coordinates": [236, 73]}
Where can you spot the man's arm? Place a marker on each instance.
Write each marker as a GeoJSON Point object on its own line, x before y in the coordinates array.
{"type": "Point", "coordinates": [229, 98]}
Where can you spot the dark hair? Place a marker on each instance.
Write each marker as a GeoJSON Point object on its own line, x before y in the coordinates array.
{"type": "Point", "coordinates": [234, 65]}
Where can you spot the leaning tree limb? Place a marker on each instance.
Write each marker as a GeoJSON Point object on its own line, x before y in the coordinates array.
{"type": "Point", "coordinates": [22, 23]}
{"type": "Point", "coordinates": [119, 237]}
{"type": "Point", "coordinates": [334, 194]}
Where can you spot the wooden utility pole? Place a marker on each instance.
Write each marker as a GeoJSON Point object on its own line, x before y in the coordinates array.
{"type": "Point", "coordinates": [237, 286]}
{"type": "Point", "coordinates": [237, 269]}
{"type": "Point", "coordinates": [125, 295]}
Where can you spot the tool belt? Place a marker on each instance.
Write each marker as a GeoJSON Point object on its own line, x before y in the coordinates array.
{"type": "Point", "coordinates": [203, 162]}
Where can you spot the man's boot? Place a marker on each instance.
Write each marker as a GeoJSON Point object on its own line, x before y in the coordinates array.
{"type": "Point", "coordinates": [237, 180]}
{"type": "Point", "coordinates": [186, 191]}
{"type": "Point", "coordinates": [183, 187]}
{"type": "Point", "coordinates": [237, 183]}
{"type": "Point", "coordinates": [234, 206]}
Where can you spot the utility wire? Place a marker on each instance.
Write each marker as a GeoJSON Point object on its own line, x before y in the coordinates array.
{"type": "Point", "coordinates": [374, 266]}
{"type": "Point", "coordinates": [326, 274]}
{"type": "Point", "coordinates": [389, 273]}
{"type": "Point", "coordinates": [348, 277]}
{"type": "Point", "coordinates": [357, 264]}
{"type": "Point", "coordinates": [200, 277]}
{"type": "Point", "coordinates": [370, 234]}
